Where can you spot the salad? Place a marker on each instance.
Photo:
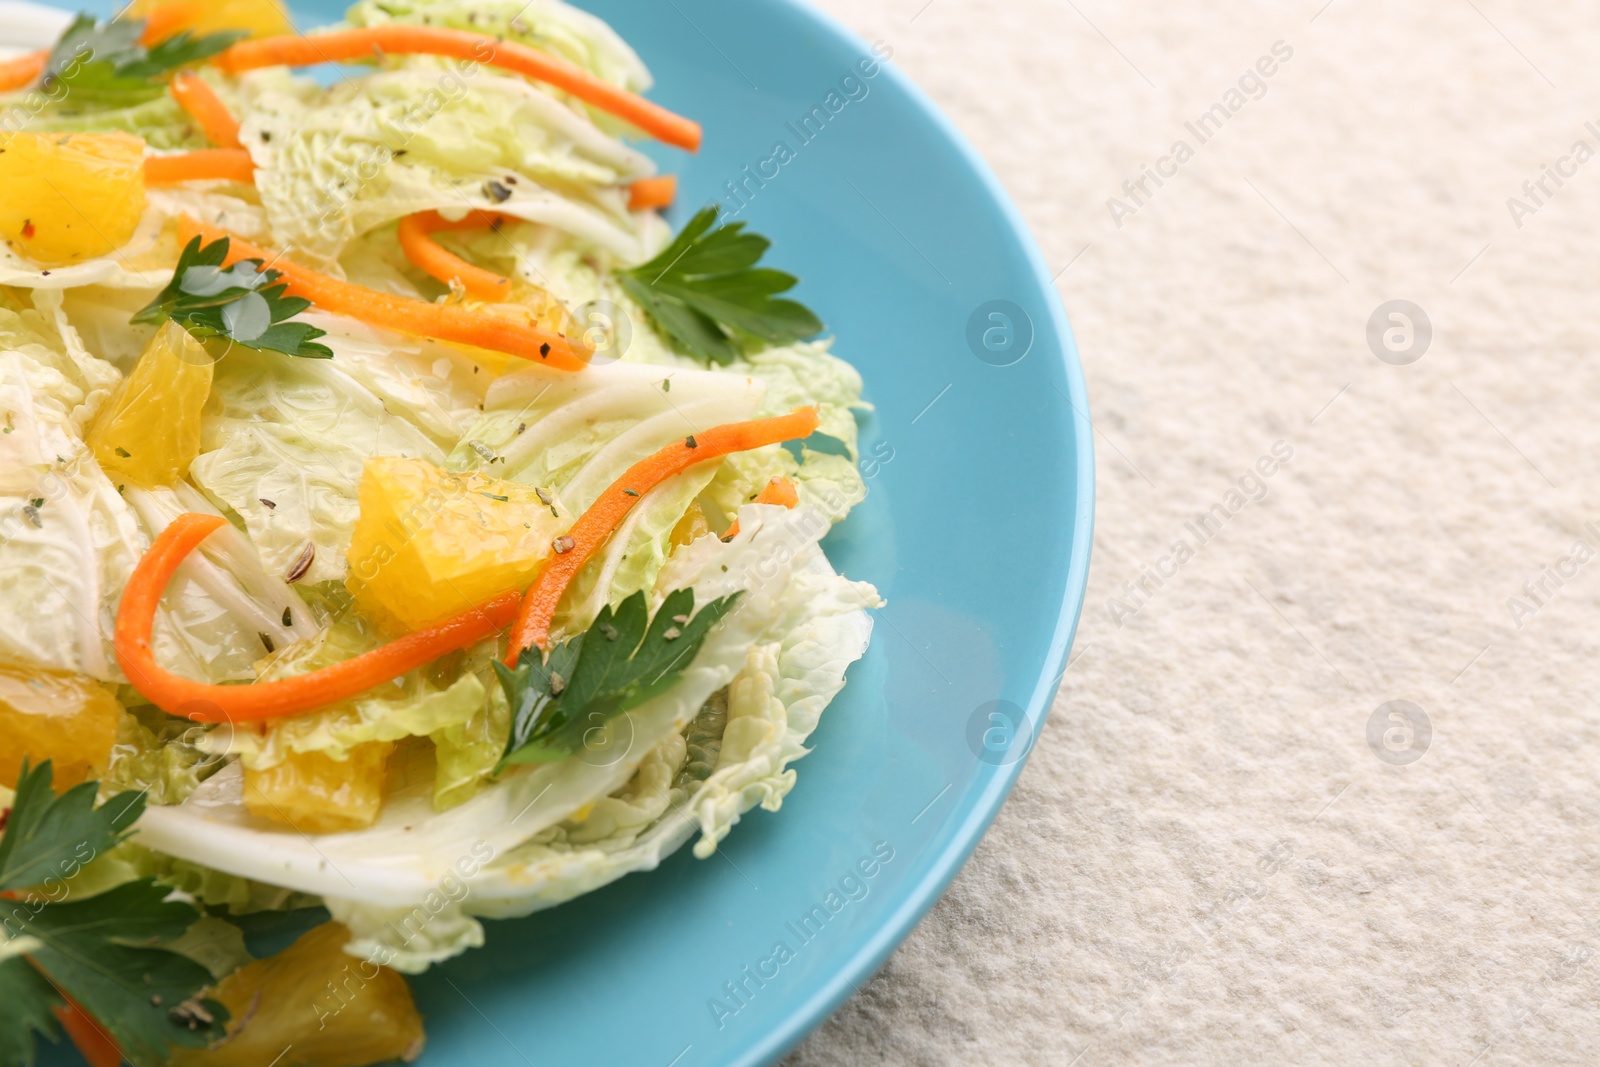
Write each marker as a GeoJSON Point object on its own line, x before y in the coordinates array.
{"type": "Point", "coordinates": [400, 525]}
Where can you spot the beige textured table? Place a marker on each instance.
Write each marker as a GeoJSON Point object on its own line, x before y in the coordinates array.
{"type": "Point", "coordinates": [1207, 860]}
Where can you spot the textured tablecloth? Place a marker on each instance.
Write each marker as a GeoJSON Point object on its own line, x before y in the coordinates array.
{"type": "Point", "coordinates": [1224, 848]}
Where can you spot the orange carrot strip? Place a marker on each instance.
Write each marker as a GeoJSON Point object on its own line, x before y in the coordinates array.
{"type": "Point", "coordinates": [656, 192]}
{"type": "Point", "coordinates": [779, 490]}
{"type": "Point", "coordinates": [285, 697]}
{"type": "Point", "coordinates": [604, 515]}
{"type": "Point", "coordinates": [96, 1046]}
{"type": "Point", "coordinates": [398, 39]}
{"type": "Point", "coordinates": [472, 220]}
{"type": "Point", "coordinates": [232, 164]}
{"type": "Point", "coordinates": [428, 255]}
{"type": "Point", "coordinates": [206, 108]}
{"type": "Point", "coordinates": [416, 317]}
{"type": "Point", "coordinates": [20, 72]}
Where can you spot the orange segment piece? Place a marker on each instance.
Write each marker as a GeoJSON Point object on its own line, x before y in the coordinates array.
{"type": "Point", "coordinates": [313, 1005]}
{"type": "Point", "coordinates": [70, 197]}
{"type": "Point", "coordinates": [317, 794]}
{"type": "Point", "coordinates": [691, 527]}
{"type": "Point", "coordinates": [68, 719]}
{"type": "Point", "coordinates": [149, 431]}
{"type": "Point", "coordinates": [431, 543]}
{"type": "Point", "coordinates": [261, 18]}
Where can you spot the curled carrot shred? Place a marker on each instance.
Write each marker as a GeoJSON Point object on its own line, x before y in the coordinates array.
{"type": "Point", "coordinates": [399, 39]}
{"type": "Point", "coordinates": [657, 192]}
{"type": "Point", "coordinates": [20, 72]}
{"type": "Point", "coordinates": [96, 1046]}
{"type": "Point", "coordinates": [426, 254]}
{"type": "Point", "coordinates": [416, 317]}
{"type": "Point", "coordinates": [285, 697]}
{"type": "Point", "coordinates": [205, 164]}
{"type": "Point", "coordinates": [779, 491]}
{"type": "Point", "coordinates": [203, 104]}
{"type": "Point", "coordinates": [607, 512]}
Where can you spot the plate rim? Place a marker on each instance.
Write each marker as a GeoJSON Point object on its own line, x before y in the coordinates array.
{"type": "Point", "coordinates": [916, 902]}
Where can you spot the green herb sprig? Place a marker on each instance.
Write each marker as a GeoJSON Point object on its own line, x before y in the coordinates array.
{"type": "Point", "coordinates": [243, 303]}
{"type": "Point", "coordinates": [103, 63]}
{"type": "Point", "coordinates": [620, 662]}
{"type": "Point", "coordinates": [103, 951]}
{"type": "Point", "coordinates": [708, 296]}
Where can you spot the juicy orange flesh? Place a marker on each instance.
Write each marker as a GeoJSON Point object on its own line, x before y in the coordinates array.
{"type": "Point", "coordinates": [68, 719]}
{"type": "Point", "coordinates": [432, 543]}
{"type": "Point", "coordinates": [149, 431]}
{"type": "Point", "coordinates": [317, 794]}
{"type": "Point", "coordinates": [312, 1005]}
{"type": "Point", "coordinates": [262, 18]}
{"type": "Point", "coordinates": [70, 197]}
{"type": "Point", "coordinates": [693, 525]}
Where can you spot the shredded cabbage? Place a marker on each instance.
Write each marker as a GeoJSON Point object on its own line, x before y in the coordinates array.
{"type": "Point", "coordinates": [548, 25]}
{"type": "Point", "coordinates": [732, 755]}
{"type": "Point", "coordinates": [296, 432]}
{"type": "Point", "coordinates": [579, 433]}
{"type": "Point", "coordinates": [161, 122]}
{"type": "Point", "coordinates": [456, 715]}
{"type": "Point", "coordinates": [422, 137]}
{"type": "Point", "coordinates": [157, 756]}
{"type": "Point", "coordinates": [396, 864]}
{"type": "Point", "coordinates": [284, 443]}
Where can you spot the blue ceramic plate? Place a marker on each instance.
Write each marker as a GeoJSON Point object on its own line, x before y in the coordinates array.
{"type": "Point", "coordinates": [976, 530]}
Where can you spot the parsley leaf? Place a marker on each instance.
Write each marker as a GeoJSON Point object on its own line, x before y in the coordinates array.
{"type": "Point", "coordinates": [104, 63]}
{"type": "Point", "coordinates": [30, 1000]}
{"type": "Point", "coordinates": [47, 835]}
{"type": "Point", "coordinates": [709, 297]}
{"type": "Point", "coordinates": [105, 951]}
{"type": "Point", "coordinates": [620, 662]}
{"type": "Point", "coordinates": [243, 303]}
